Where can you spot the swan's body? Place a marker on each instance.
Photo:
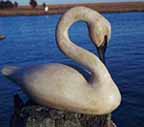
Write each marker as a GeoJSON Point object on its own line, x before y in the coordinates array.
{"type": "Point", "coordinates": [63, 87]}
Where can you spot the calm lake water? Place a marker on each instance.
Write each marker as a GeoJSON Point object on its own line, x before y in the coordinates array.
{"type": "Point", "coordinates": [31, 40]}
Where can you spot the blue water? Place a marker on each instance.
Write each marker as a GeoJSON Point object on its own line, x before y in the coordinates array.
{"type": "Point", "coordinates": [31, 40]}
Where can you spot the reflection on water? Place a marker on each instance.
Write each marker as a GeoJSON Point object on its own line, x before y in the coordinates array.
{"type": "Point", "coordinates": [31, 40]}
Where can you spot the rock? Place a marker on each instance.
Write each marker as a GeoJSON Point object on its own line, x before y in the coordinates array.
{"type": "Point", "coordinates": [33, 115]}
{"type": "Point", "coordinates": [2, 37]}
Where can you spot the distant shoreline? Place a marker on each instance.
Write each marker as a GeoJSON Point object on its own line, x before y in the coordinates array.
{"type": "Point", "coordinates": [61, 8]}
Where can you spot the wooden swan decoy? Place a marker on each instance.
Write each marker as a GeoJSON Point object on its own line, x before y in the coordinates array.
{"type": "Point", "coordinates": [63, 87]}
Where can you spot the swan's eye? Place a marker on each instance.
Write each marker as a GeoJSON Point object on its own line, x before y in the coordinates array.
{"type": "Point", "coordinates": [105, 39]}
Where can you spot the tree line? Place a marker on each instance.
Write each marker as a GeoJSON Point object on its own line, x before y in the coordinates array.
{"type": "Point", "coordinates": [9, 4]}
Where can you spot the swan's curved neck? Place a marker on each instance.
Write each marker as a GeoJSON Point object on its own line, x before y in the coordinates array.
{"type": "Point", "coordinates": [80, 55]}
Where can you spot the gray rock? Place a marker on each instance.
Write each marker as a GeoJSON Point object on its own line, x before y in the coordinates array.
{"type": "Point", "coordinates": [33, 115]}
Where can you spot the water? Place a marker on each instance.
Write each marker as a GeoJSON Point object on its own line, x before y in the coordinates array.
{"type": "Point", "coordinates": [31, 40]}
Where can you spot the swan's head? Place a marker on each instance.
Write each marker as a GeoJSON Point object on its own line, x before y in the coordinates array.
{"type": "Point", "coordinates": [2, 37]}
{"type": "Point", "coordinates": [100, 33]}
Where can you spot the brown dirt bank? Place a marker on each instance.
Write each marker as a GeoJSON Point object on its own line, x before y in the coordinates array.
{"type": "Point", "coordinates": [60, 9]}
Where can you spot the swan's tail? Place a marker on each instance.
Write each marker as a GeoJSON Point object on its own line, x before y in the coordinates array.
{"type": "Point", "coordinates": [9, 70]}
{"type": "Point", "coordinates": [12, 73]}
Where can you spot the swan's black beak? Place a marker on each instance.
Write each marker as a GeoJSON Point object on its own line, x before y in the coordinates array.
{"type": "Point", "coordinates": [2, 37]}
{"type": "Point", "coordinates": [102, 50]}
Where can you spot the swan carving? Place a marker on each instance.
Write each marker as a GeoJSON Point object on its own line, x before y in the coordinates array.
{"type": "Point", "coordinates": [61, 86]}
